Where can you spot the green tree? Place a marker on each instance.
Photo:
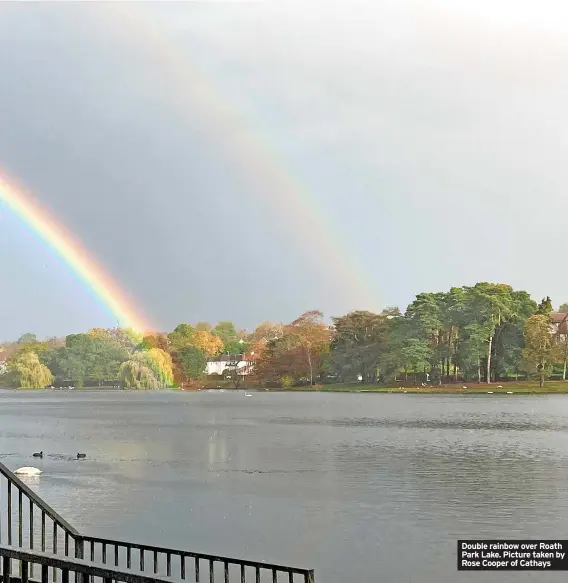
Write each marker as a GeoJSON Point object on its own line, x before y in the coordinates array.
{"type": "Point", "coordinates": [358, 341]}
{"type": "Point", "coordinates": [425, 325]}
{"type": "Point", "coordinates": [26, 338]}
{"type": "Point", "coordinates": [491, 305]}
{"type": "Point", "coordinates": [545, 307]}
{"type": "Point", "coordinates": [181, 337]}
{"type": "Point", "coordinates": [539, 351]}
{"type": "Point", "coordinates": [235, 347]}
{"type": "Point", "coordinates": [226, 331]}
{"type": "Point", "coordinates": [191, 362]}
{"type": "Point", "coordinates": [563, 309]}
{"type": "Point", "coordinates": [88, 357]}
{"type": "Point", "coordinates": [203, 326]}
{"type": "Point", "coordinates": [27, 372]}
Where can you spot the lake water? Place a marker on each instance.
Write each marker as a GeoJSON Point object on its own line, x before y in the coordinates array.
{"type": "Point", "coordinates": [360, 487]}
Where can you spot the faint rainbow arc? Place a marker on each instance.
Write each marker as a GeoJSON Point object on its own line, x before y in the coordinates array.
{"type": "Point", "coordinates": [84, 265]}
{"type": "Point", "coordinates": [285, 196]}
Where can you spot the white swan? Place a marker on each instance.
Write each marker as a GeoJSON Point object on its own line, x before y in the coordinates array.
{"type": "Point", "coordinates": [248, 395]}
{"type": "Point", "coordinates": [28, 471]}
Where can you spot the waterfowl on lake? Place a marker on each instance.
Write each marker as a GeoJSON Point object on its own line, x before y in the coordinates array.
{"type": "Point", "coordinates": [38, 454]}
{"type": "Point", "coordinates": [81, 456]}
{"type": "Point", "coordinates": [28, 471]}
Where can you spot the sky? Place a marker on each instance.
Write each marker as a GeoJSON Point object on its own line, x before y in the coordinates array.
{"type": "Point", "coordinates": [253, 160]}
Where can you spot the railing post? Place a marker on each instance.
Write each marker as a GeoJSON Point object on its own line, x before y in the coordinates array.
{"type": "Point", "coordinates": [310, 576]}
{"type": "Point", "coordinates": [80, 554]}
{"type": "Point", "coordinates": [6, 570]}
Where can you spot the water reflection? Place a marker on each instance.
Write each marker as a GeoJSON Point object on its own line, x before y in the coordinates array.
{"type": "Point", "coordinates": [31, 481]}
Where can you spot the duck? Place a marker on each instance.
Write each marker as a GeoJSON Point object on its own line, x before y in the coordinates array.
{"type": "Point", "coordinates": [38, 454]}
{"type": "Point", "coordinates": [28, 471]}
{"type": "Point", "coordinates": [81, 456]}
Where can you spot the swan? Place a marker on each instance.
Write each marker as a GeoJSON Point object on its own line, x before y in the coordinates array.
{"type": "Point", "coordinates": [28, 471]}
{"type": "Point", "coordinates": [40, 454]}
{"type": "Point", "coordinates": [248, 395]}
{"type": "Point", "coordinates": [509, 392]}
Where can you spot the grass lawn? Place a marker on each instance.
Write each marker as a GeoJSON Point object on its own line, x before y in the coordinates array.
{"type": "Point", "coordinates": [526, 387]}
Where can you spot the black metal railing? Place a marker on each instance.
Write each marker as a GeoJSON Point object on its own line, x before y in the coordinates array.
{"type": "Point", "coordinates": [17, 567]}
{"type": "Point", "coordinates": [27, 521]}
{"type": "Point", "coordinates": [30, 523]}
{"type": "Point", "coordinates": [189, 566]}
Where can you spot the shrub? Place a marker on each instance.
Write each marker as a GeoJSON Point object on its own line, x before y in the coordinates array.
{"type": "Point", "coordinates": [286, 382]}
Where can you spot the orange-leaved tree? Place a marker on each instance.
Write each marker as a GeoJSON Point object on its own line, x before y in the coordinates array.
{"type": "Point", "coordinates": [312, 337]}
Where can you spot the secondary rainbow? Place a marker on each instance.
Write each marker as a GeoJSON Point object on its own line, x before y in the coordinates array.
{"type": "Point", "coordinates": [97, 280]}
{"type": "Point", "coordinates": [192, 95]}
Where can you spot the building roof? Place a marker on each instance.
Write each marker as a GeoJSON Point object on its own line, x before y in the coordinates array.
{"type": "Point", "coordinates": [559, 322]}
{"type": "Point", "coordinates": [226, 358]}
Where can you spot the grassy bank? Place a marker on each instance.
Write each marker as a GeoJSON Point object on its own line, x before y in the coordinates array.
{"type": "Point", "coordinates": [551, 387]}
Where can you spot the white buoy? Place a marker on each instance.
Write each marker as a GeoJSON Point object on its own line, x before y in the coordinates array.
{"type": "Point", "coordinates": [28, 471]}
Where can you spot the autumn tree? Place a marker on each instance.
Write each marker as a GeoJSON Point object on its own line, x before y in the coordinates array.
{"type": "Point", "coordinates": [267, 331]}
{"type": "Point", "coordinates": [312, 337]}
{"type": "Point", "coordinates": [539, 351]}
{"type": "Point", "coordinates": [150, 369]}
{"type": "Point", "coordinates": [208, 343]}
{"type": "Point", "coordinates": [160, 362]}
{"type": "Point", "coordinates": [156, 340]}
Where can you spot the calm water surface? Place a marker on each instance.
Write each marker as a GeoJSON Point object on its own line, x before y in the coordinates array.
{"type": "Point", "coordinates": [360, 487]}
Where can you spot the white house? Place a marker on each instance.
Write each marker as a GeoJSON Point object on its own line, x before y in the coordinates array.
{"type": "Point", "coordinates": [228, 362]}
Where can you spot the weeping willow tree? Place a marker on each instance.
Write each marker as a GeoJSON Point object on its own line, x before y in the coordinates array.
{"type": "Point", "coordinates": [29, 373]}
{"type": "Point", "coordinates": [160, 362]}
{"type": "Point", "coordinates": [151, 369]}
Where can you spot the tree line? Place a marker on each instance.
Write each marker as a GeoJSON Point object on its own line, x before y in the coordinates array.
{"type": "Point", "coordinates": [482, 333]}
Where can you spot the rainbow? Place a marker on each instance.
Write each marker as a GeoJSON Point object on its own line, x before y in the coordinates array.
{"type": "Point", "coordinates": [195, 97]}
{"type": "Point", "coordinates": [97, 280]}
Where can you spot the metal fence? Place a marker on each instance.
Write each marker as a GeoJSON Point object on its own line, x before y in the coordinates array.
{"type": "Point", "coordinates": [27, 522]}
{"type": "Point", "coordinates": [51, 567]}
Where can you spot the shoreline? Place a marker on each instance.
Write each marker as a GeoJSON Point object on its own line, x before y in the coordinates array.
{"type": "Point", "coordinates": [551, 388]}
